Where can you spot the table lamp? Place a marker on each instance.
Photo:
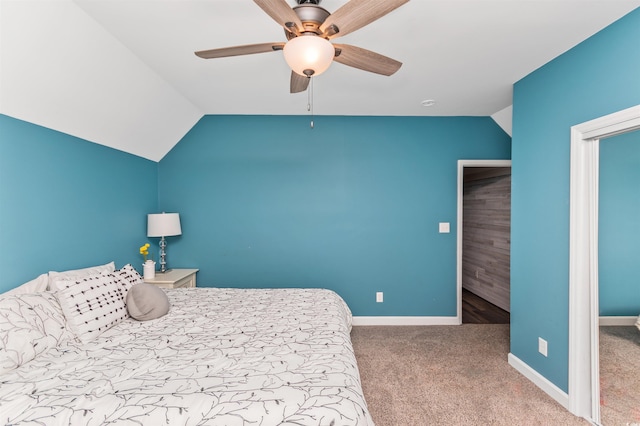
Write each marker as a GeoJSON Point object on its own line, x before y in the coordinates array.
{"type": "Point", "coordinates": [163, 225]}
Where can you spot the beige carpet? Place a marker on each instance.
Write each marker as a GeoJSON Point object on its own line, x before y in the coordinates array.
{"type": "Point", "coordinates": [619, 375]}
{"type": "Point", "coordinates": [448, 375]}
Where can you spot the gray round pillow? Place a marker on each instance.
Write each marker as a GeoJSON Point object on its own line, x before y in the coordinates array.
{"type": "Point", "coordinates": [146, 302]}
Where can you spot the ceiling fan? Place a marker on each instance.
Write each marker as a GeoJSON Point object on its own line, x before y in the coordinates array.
{"type": "Point", "coordinates": [308, 28]}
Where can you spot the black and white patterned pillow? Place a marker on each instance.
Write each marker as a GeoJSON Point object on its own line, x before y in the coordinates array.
{"type": "Point", "coordinates": [95, 303]}
{"type": "Point", "coordinates": [129, 275]}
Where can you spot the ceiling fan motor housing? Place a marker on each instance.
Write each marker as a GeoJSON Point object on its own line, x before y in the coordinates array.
{"type": "Point", "coordinates": [312, 16]}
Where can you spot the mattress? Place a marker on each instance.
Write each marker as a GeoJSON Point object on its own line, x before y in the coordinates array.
{"type": "Point", "coordinates": [219, 357]}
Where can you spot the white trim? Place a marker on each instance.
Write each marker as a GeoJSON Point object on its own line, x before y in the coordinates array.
{"type": "Point", "coordinates": [584, 386]}
{"type": "Point", "coordinates": [461, 165]}
{"type": "Point", "coordinates": [583, 299]}
{"type": "Point", "coordinates": [405, 321]}
{"type": "Point", "coordinates": [626, 320]}
{"type": "Point", "coordinates": [549, 388]}
{"type": "Point", "coordinates": [624, 121]}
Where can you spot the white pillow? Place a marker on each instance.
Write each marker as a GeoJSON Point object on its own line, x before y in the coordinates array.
{"type": "Point", "coordinates": [34, 286]}
{"type": "Point", "coordinates": [30, 324]}
{"type": "Point", "coordinates": [54, 276]}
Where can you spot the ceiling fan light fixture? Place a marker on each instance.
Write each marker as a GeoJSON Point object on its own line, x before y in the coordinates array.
{"type": "Point", "coordinates": [309, 55]}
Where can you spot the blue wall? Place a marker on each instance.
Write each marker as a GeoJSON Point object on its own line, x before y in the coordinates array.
{"type": "Point", "coordinates": [597, 77]}
{"type": "Point", "coordinates": [66, 203]}
{"type": "Point", "coordinates": [352, 205]}
{"type": "Point", "coordinates": [619, 225]}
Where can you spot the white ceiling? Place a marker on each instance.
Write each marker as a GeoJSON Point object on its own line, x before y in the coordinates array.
{"type": "Point", "coordinates": [123, 73]}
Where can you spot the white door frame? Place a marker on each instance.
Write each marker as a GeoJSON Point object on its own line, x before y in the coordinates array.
{"type": "Point", "coordinates": [584, 373]}
{"type": "Point", "coordinates": [461, 165]}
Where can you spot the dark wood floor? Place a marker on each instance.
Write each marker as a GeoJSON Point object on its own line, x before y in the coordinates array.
{"type": "Point", "coordinates": [476, 310]}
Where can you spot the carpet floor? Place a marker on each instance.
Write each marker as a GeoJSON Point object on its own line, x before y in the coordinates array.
{"type": "Point", "coordinates": [448, 375]}
{"type": "Point", "coordinates": [619, 377]}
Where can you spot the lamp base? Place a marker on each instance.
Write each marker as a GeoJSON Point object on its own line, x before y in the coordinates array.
{"type": "Point", "coordinates": [163, 255]}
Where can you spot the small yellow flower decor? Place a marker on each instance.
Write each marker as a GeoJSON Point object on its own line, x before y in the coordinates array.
{"type": "Point", "coordinates": [144, 251]}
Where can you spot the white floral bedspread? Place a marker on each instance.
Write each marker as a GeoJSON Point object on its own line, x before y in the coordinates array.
{"type": "Point", "coordinates": [220, 357]}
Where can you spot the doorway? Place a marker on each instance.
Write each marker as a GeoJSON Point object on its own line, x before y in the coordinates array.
{"type": "Point", "coordinates": [483, 224]}
{"type": "Point", "coordinates": [618, 285]}
{"type": "Point", "coordinates": [584, 377]}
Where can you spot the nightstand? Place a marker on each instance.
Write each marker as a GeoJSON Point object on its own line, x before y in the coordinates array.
{"type": "Point", "coordinates": [175, 278]}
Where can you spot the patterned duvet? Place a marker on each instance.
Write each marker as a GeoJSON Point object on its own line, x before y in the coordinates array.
{"type": "Point", "coordinates": [220, 357]}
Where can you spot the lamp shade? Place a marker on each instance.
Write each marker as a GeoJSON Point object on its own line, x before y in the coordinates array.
{"type": "Point", "coordinates": [163, 225]}
{"type": "Point", "coordinates": [309, 55]}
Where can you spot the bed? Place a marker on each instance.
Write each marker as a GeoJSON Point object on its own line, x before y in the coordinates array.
{"type": "Point", "coordinates": [220, 356]}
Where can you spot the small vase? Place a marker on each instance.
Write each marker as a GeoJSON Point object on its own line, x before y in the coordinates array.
{"type": "Point", "coordinates": [149, 269]}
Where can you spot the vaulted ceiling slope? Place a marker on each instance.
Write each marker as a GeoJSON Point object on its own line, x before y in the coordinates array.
{"type": "Point", "coordinates": [123, 73]}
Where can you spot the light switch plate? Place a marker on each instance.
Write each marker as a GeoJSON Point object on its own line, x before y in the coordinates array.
{"type": "Point", "coordinates": [542, 346]}
{"type": "Point", "coordinates": [444, 227]}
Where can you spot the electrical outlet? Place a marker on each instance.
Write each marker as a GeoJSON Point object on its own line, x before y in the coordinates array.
{"type": "Point", "coordinates": [542, 346]}
{"type": "Point", "coordinates": [379, 297]}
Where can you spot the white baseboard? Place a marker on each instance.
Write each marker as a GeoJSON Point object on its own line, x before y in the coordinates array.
{"type": "Point", "coordinates": [552, 390]}
{"type": "Point", "coordinates": [406, 321]}
{"type": "Point", "coordinates": [618, 320]}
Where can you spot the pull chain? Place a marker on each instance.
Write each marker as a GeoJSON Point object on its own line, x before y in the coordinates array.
{"type": "Point", "coordinates": [310, 99]}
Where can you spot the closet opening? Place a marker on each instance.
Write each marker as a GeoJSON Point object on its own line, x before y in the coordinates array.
{"type": "Point", "coordinates": [484, 241]}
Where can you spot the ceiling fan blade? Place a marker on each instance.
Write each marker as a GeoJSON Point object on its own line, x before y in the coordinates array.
{"type": "Point", "coordinates": [356, 14]}
{"type": "Point", "coordinates": [282, 13]}
{"type": "Point", "coordinates": [299, 83]}
{"type": "Point", "coordinates": [366, 60]}
{"type": "Point", "coordinates": [248, 49]}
